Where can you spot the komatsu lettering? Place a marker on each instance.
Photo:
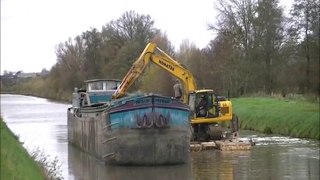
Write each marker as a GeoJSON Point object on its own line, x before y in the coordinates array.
{"type": "Point", "coordinates": [166, 65]}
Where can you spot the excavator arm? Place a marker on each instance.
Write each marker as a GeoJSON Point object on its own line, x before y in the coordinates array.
{"type": "Point", "coordinates": [152, 53]}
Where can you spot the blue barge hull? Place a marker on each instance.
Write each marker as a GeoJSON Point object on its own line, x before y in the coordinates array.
{"type": "Point", "coordinates": [137, 130]}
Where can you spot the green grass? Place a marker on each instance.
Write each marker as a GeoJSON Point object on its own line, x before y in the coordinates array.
{"type": "Point", "coordinates": [16, 163]}
{"type": "Point", "coordinates": [278, 116]}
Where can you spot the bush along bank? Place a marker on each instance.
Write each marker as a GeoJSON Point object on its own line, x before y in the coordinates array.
{"type": "Point", "coordinates": [16, 163]}
{"type": "Point", "coordinates": [38, 87]}
{"type": "Point", "coordinates": [278, 116]}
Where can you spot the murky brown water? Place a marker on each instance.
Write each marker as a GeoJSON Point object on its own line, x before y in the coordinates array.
{"type": "Point", "coordinates": [42, 124]}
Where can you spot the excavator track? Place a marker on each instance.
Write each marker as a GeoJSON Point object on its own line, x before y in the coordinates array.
{"type": "Point", "coordinates": [215, 132]}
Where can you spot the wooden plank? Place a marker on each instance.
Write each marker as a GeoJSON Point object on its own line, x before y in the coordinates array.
{"type": "Point", "coordinates": [223, 145]}
{"type": "Point", "coordinates": [233, 145]}
{"type": "Point", "coordinates": [194, 147]}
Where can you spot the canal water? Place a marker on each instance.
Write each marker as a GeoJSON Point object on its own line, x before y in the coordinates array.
{"type": "Point", "coordinates": [42, 124]}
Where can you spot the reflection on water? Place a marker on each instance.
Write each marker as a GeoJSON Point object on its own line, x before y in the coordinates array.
{"type": "Point", "coordinates": [86, 167]}
{"type": "Point", "coordinates": [41, 123]}
{"type": "Point", "coordinates": [216, 164]}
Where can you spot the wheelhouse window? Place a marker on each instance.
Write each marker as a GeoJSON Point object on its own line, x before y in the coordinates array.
{"type": "Point", "coordinates": [112, 85]}
{"type": "Point", "coordinates": [95, 86]}
{"type": "Point", "coordinates": [103, 85]}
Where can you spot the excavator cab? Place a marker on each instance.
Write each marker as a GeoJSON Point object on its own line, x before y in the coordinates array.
{"type": "Point", "coordinates": [204, 104]}
{"type": "Point", "coordinates": [208, 110]}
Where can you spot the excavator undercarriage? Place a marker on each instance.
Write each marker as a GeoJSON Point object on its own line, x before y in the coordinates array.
{"type": "Point", "coordinates": [204, 132]}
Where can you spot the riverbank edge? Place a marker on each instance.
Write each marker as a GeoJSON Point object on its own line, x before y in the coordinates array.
{"type": "Point", "coordinates": [16, 162]}
{"type": "Point", "coordinates": [254, 121]}
{"type": "Point", "coordinates": [55, 99]}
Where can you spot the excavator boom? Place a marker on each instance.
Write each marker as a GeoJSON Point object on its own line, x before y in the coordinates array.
{"type": "Point", "coordinates": [135, 71]}
{"type": "Point", "coordinates": [155, 55]}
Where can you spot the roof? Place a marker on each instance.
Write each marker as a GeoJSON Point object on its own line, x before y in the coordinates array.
{"type": "Point", "coordinates": [204, 90]}
{"type": "Point", "coordinates": [96, 80]}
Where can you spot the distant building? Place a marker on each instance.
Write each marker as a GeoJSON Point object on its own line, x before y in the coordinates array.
{"type": "Point", "coordinates": [20, 74]}
{"type": "Point", "coordinates": [43, 73]}
{"type": "Point", "coordinates": [12, 78]}
{"type": "Point", "coordinates": [25, 75]}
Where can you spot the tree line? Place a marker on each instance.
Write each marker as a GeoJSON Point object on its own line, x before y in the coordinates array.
{"type": "Point", "coordinates": [258, 49]}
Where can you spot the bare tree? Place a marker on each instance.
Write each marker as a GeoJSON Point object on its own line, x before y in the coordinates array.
{"type": "Point", "coordinates": [305, 31]}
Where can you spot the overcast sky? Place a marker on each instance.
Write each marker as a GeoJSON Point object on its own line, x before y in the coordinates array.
{"type": "Point", "coordinates": [30, 29]}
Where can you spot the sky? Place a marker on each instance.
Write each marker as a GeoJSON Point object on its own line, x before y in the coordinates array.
{"type": "Point", "coordinates": [31, 29]}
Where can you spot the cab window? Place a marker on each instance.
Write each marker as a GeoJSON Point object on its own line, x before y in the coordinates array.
{"type": "Point", "coordinates": [210, 100]}
{"type": "Point", "coordinates": [192, 101]}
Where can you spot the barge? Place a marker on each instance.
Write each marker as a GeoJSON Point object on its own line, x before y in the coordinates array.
{"type": "Point", "coordinates": [133, 130]}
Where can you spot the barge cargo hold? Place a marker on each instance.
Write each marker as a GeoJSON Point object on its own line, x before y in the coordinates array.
{"type": "Point", "coordinates": [134, 130]}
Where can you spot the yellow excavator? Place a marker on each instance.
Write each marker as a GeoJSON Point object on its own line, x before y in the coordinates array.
{"type": "Point", "coordinates": [205, 126]}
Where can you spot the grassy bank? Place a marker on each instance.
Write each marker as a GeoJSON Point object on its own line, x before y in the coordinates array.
{"type": "Point", "coordinates": [16, 163]}
{"type": "Point", "coordinates": [278, 116]}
